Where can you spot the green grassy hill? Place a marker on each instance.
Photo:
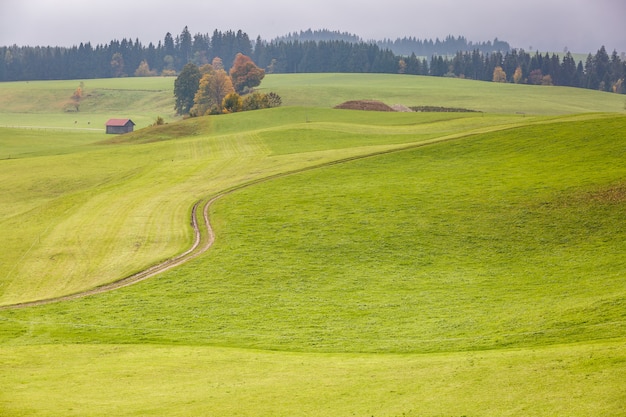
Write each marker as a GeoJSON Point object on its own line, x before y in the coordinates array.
{"type": "Point", "coordinates": [45, 104]}
{"type": "Point", "coordinates": [396, 264]}
{"type": "Point", "coordinates": [321, 90]}
{"type": "Point", "coordinates": [48, 103]}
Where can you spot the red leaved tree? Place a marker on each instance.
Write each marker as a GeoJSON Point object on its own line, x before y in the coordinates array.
{"type": "Point", "coordinates": [245, 74]}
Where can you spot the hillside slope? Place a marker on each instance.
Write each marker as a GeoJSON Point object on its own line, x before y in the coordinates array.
{"type": "Point", "coordinates": [388, 264]}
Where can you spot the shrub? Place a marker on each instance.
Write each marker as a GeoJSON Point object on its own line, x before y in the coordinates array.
{"type": "Point", "coordinates": [255, 101]}
{"type": "Point", "coordinates": [232, 103]}
{"type": "Point", "coordinates": [274, 100]}
{"type": "Point", "coordinates": [143, 70]}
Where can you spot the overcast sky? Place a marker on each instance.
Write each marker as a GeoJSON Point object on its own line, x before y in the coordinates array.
{"type": "Point", "coordinates": [580, 25]}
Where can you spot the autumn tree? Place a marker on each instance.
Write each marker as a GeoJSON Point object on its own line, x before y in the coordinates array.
{"type": "Point", "coordinates": [245, 74]}
{"type": "Point", "coordinates": [517, 77]}
{"type": "Point", "coordinates": [217, 63]}
{"type": "Point", "coordinates": [77, 96]}
{"type": "Point", "coordinates": [402, 66]}
{"type": "Point", "coordinates": [535, 77]}
{"type": "Point", "coordinates": [213, 88]}
{"type": "Point", "coordinates": [185, 88]}
{"type": "Point", "coordinates": [143, 70]}
{"type": "Point", "coordinates": [546, 80]}
{"type": "Point", "coordinates": [499, 76]}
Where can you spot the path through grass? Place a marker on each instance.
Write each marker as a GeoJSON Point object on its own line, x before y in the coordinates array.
{"type": "Point", "coordinates": [478, 276]}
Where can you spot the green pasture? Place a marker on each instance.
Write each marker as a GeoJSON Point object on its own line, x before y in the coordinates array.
{"type": "Point", "coordinates": [17, 143]}
{"type": "Point", "coordinates": [47, 104]}
{"type": "Point", "coordinates": [44, 104]}
{"type": "Point", "coordinates": [93, 212]}
{"type": "Point", "coordinates": [321, 90]}
{"type": "Point", "coordinates": [413, 251]}
{"type": "Point", "coordinates": [392, 264]}
{"type": "Point", "coordinates": [153, 380]}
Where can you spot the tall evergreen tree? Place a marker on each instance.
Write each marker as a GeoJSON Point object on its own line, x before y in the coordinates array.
{"type": "Point", "coordinates": [601, 64]}
{"type": "Point", "coordinates": [568, 71]}
{"type": "Point", "coordinates": [185, 44]}
{"type": "Point", "coordinates": [591, 75]}
{"type": "Point", "coordinates": [185, 88]}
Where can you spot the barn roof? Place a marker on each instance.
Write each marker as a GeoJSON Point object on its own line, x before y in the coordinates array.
{"type": "Point", "coordinates": [119, 122]}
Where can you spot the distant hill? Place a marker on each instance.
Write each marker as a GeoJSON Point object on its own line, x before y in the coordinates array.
{"type": "Point", "coordinates": [405, 46]}
{"type": "Point", "coordinates": [318, 36]}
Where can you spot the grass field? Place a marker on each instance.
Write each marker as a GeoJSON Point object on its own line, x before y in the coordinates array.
{"type": "Point", "coordinates": [450, 264]}
{"type": "Point", "coordinates": [45, 104]}
{"type": "Point", "coordinates": [323, 90]}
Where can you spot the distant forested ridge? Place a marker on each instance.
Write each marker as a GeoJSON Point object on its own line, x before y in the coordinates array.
{"type": "Point", "coordinates": [403, 46]}
{"type": "Point", "coordinates": [449, 46]}
{"type": "Point", "coordinates": [318, 35]}
{"type": "Point", "coordinates": [316, 51]}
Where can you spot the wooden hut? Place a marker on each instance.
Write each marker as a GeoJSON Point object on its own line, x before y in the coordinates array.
{"type": "Point", "coordinates": [117, 126]}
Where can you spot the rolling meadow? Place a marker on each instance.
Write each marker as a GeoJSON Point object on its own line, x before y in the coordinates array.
{"type": "Point", "coordinates": [364, 263]}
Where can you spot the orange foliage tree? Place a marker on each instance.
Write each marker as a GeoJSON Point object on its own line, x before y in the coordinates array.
{"type": "Point", "coordinates": [499, 76]}
{"type": "Point", "coordinates": [214, 87]}
{"type": "Point", "coordinates": [517, 77]}
{"type": "Point", "coordinates": [245, 74]}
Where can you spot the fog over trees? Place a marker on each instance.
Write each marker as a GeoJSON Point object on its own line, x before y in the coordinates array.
{"type": "Point", "coordinates": [316, 51]}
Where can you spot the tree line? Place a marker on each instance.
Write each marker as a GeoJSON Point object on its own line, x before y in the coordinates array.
{"type": "Point", "coordinates": [120, 58]}
{"type": "Point", "coordinates": [324, 56]}
{"type": "Point", "coordinates": [449, 46]}
{"type": "Point", "coordinates": [497, 62]}
{"type": "Point", "coordinates": [403, 46]}
{"type": "Point", "coordinates": [599, 72]}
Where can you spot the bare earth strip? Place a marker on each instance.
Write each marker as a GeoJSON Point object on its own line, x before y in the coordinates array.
{"type": "Point", "coordinates": [193, 252]}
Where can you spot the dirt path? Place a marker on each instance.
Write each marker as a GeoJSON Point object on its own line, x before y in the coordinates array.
{"type": "Point", "coordinates": [199, 247]}
{"type": "Point", "coordinates": [196, 250]}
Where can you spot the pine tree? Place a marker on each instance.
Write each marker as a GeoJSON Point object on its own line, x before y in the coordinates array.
{"type": "Point", "coordinates": [184, 47]}
{"type": "Point", "coordinates": [568, 70]}
{"type": "Point", "coordinates": [185, 88]}
{"type": "Point", "coordinates": [601, 63]}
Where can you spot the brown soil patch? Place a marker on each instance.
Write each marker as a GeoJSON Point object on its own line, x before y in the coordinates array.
{"type": "Point", "coordinates": [438, 109]}
{"type": "Point", "coordinates": [367, 105]}
{"type": "Point", "coordinates": [613, 194]}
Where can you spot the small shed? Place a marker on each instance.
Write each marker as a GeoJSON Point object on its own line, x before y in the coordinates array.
{"type": "Point", "coordinates": [117, 126]}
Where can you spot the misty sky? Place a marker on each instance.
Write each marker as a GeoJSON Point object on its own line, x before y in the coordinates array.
{"type": "Point", "coordinates": [580, 25]}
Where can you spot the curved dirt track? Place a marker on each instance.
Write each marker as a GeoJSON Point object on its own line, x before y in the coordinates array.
{"type": "Point", "coordinates": [197, 248]}
{"type": "Point", "coordinates": [193, 252]}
